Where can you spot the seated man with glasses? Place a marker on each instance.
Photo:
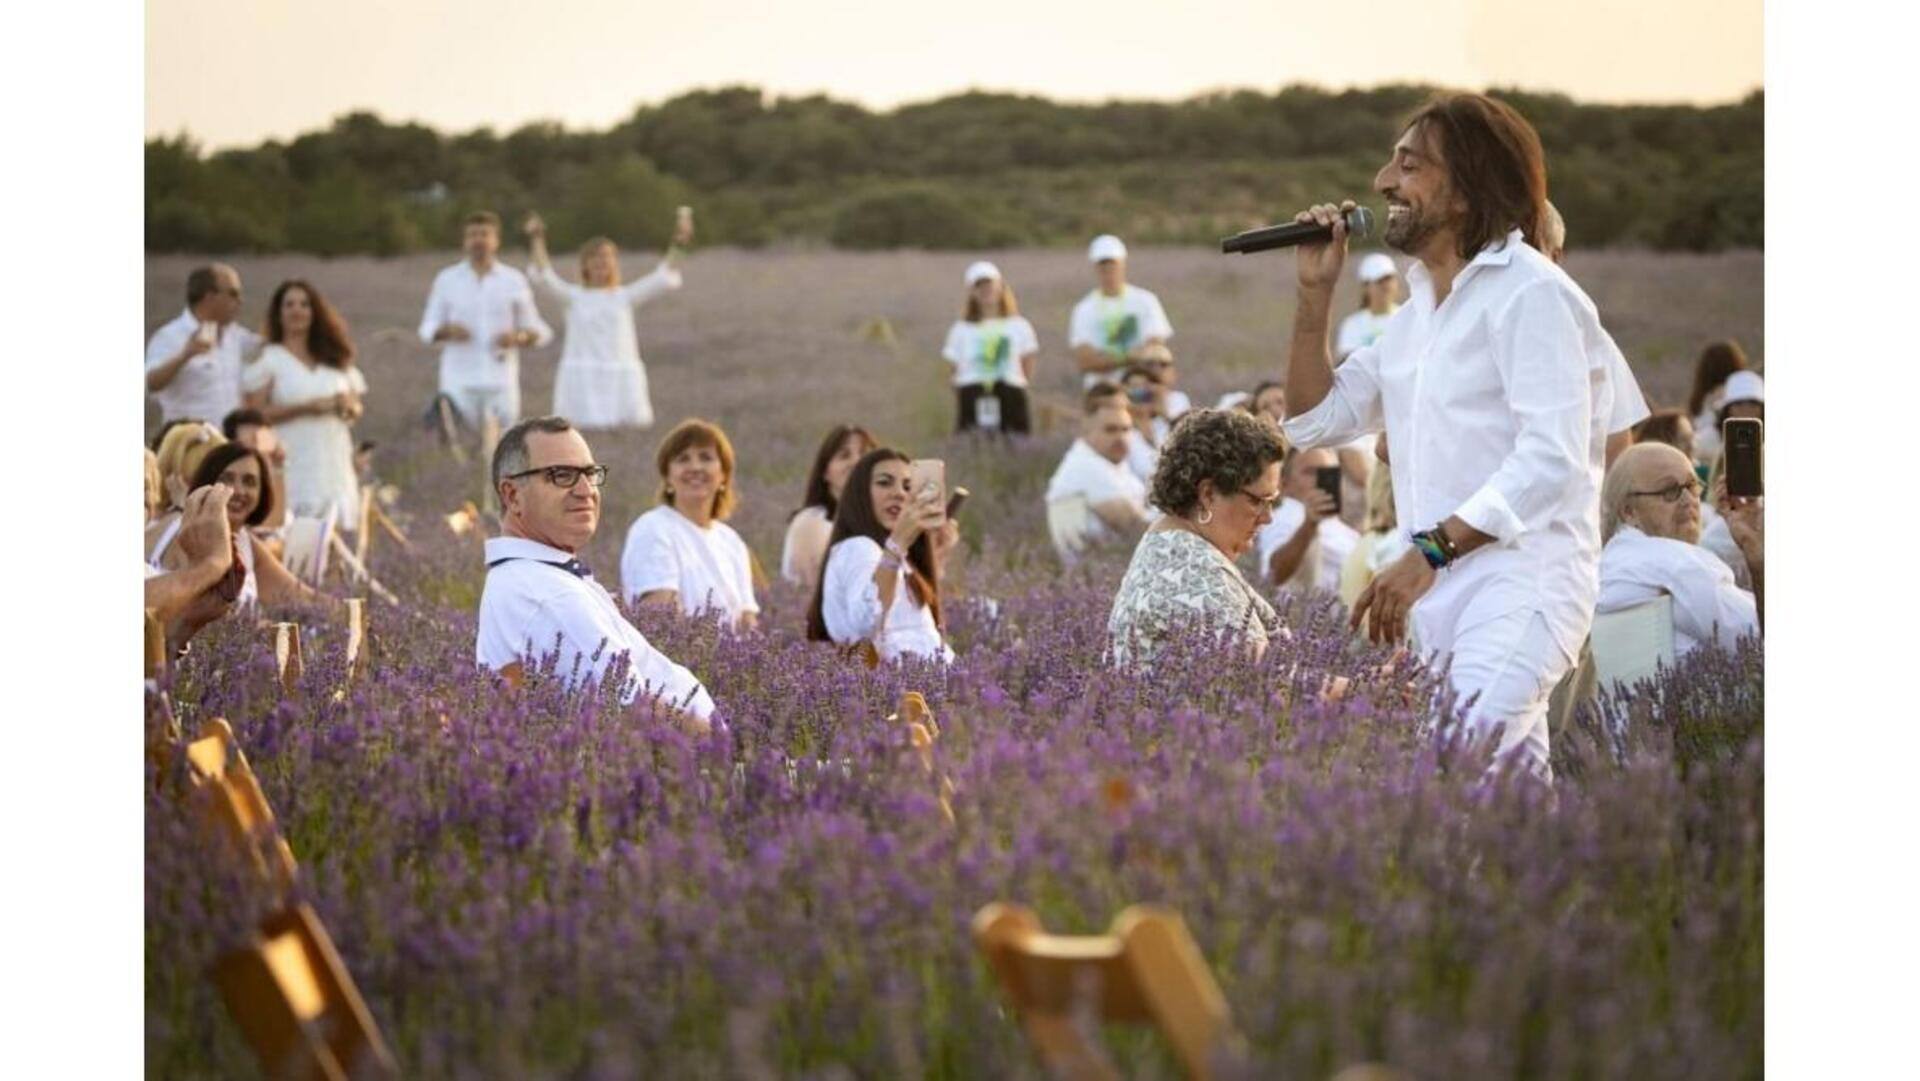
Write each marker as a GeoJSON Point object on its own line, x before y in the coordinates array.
{"type": "Point", "coordinates": [1650, 519]}
{"type": "Point", "coordinates": [539, 594]}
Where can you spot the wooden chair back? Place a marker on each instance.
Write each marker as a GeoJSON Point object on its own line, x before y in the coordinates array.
{"type": "Point", "coordinates": [156, 645]}
{"type": "Point", "coordinates": [309, 545]}
{"type": "Point", "coordinates": [297, 1006]}
{"type": "Point", "coordinates": [465, 520]}
{"type": "Point", "coordinates": [284, 638]}
{"type": "Point", "coordinates": [356, 618]}
{"type": "Point", "coordinates": [237, 809]}
{"type": "Point", "coordinates": [1146, 970]}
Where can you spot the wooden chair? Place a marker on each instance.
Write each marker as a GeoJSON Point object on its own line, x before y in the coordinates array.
{"type": "Point", "coordinates": [357, 658]}
{"type": "Point", "coordinates": [465, 520]}
{"type": "Point", "coordinates": [1633, 643]}
{"type": "Point", "coordinates": [296, 1005]}
{"type": "Point", "coordinates": [285, 640]}
{"type": "Point", "coordinates": [373, 517]}
{"type": "Point", "coordinates": [156, 646]}
{"type": "Point", "coordinates": [923, 732]}
{"type": "Point", "coordinates": [309, 546]}
{"type": "Point", "coordinates": [1145, 970]}
{"type": "Point", "coordinates": [236, 808]}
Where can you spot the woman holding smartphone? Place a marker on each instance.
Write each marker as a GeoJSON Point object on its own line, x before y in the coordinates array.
{"type": "Point", "coordinates": [992, 349]}
{"type": "Point", "coordinates": [601, 381]}
{"type": "Point", "coordinates": [880, 591]}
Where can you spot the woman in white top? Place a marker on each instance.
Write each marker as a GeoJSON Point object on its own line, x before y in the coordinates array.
{"type": "Point", "coordinates": [306, 385]}
{"type": "Point", "coordinates": [601, 381]}
{"type": "Point", "coordinates": [811, 527]}
{"type": "Point", "coordinates": [1379, 299]}
{"type": "Point", "coordinates": [880, 592]}
{"type": "Point", "coordinates": [1716, 362]}
{"type": "Point", "coordinates": [267, 581]}
{"type": "Point", "coordinates": [683, 553]}
{"type": "Point", "coordinates": [992, 356]}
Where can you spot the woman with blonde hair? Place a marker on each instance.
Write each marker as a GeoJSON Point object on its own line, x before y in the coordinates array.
{"type": "Point", "coordinates": [181, 451]}
{"type": "Point", "coordinates": [601, 381]}
{"type": "Point", "coordinates": [244, 471]}
{"type": "Point", "coordinates": [682, 553]}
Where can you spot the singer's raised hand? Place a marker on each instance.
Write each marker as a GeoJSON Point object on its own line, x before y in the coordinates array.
{"type": "Point", "coordinates": [1319, 264]}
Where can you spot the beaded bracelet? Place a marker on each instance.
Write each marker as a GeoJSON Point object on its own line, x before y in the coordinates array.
{"type": "Point", "coordinates": [1431, 550]}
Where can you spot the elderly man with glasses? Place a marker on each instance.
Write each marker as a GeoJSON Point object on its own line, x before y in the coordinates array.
{"type": "Point", "coordinates": [194, 361]}
{"type": "Point", "coordinates": [1650, 516]}
{"type": "Point", "coordinates": [540, 597]}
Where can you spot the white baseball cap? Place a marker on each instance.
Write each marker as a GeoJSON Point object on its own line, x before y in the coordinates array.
{"type": "Point", "coordinates": [1104, 247]}
{"type": "Point", "coordinates": [1375, 266]}
{"type": "Point", "coordinates": [1744, 386]}
{"type": "Point", "coordinates": [1233, 399]}
{"type": "Point", "coordinates": [982, 271]}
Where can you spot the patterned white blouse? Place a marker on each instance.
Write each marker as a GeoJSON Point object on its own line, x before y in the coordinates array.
{"type": "Point", "coordinates": [1178, 585]}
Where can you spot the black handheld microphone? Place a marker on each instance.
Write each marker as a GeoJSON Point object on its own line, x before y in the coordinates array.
{"type": "Point", "coordinates": [1267, 238]}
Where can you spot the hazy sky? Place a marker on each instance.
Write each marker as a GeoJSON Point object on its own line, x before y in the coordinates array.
{"type": "Point", "coordinates": [236, 73]}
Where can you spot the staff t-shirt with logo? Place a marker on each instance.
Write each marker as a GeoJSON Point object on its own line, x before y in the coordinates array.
{"type": "Point", "coordinates": [989, 351]}
{"type": "Point", "coordinates": [1117, 324]}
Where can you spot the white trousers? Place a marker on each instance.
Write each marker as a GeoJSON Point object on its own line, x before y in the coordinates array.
{"type": "Point", "coordinates": [472, 403]}
{"type": "Point", "coordinates": [1505, 669]}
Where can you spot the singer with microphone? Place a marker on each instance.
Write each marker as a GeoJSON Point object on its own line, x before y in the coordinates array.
{"type": "Point", "coordinates": [1491, 384]}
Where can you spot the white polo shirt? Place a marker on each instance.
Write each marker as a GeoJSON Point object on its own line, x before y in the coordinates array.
{"type": "Point", "coordinates": [208, 386]}
{"type": "Point", "coordinates": [532, 607]}
{"type": "Point", "coordinates": [1083, 472]}
{"type": "Point", "coordinates": [1115, 324]}
{"type": "Point", "coordinates": [488, 306]}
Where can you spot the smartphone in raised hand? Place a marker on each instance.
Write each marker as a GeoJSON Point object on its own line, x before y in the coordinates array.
{"type": "Point", "coordinates": [1327, 479]}
{"type": "Point", "coordinates": [957, 500]}
{"type": "Point", "coordinates": [1742, 437]}
{"type": "Point", "coordinates": [928, 476]}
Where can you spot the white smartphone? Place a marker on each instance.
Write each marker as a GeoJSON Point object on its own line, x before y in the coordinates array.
{"type": "Point", "coordinates": [929, 479]}
{"type": "Point", "coordinates": [209, 333]}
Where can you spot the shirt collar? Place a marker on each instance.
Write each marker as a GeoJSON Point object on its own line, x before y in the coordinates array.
{"type": "Point", "coordinates": [1496, 253]}
{"type": "Point", "coordinates": [521, 548]}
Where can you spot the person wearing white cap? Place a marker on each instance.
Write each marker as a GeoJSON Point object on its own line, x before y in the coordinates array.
{"type": "Point", "coordinates": [1745, 396]}
{"type": "Point", "coordinates": [1379, 299]}
{"type": "Point", "coordinates": [992, 349]}
{"type": "Point", "coordinates": [1113, 321]}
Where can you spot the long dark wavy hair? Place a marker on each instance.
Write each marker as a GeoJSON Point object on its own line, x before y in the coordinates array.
{"type": "Point", "coordinates": [1494, 161]}
{"type": "Point", "coordinates": [1717, 361]}
{"type": "Point", "coordinates": [327, 341]}
{"type": "Point", "coordinates": [857, 519]}
{"type": "Point", "coordinates": [818, 493]}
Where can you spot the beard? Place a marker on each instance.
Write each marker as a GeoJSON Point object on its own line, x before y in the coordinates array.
{"type": "Point", "coordinates": [1408, 231]}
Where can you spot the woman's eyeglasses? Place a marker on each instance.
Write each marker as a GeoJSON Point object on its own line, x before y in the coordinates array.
{"type": "Point", "coordinates": [566, 476]}
{"type": "Point", "coordinates": [1268, 501]}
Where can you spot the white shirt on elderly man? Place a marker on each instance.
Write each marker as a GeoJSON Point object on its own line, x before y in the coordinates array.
{"type": "Point", "coordinates": [1708, 606]}
{"type": "Point", "coordinates": [208, 386]}
{"type": "Point", "coordinates": [1083, 472]}
{"type": "Point", "coordinates": [1333, 541]}
{"type": "Point", "coordinates": [709, 568]}
{"type": "Point", "coordinates": [487, 306]}
{"type": "Point", "coordinates": [533, 606]}
{"type": "Point", "coordinates": [1497, 405]}
{"type": "Point", "coordinates": [850, 606]}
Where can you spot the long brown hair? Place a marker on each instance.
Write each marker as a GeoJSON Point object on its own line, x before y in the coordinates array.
{"type": "Point", "coordinates": [1494, 162]}
{"type": "Point", "coordinates": [1717, 361]}
{"type": "Point", "coordinates": [857, 519]}
{"type": "Point", "coordinates": [327, 340]}
{"type": "Point", "coordinates": [819, 494]}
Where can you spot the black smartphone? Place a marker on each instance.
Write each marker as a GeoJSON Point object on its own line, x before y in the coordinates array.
{"type": "Point", "coordinates": [1742, 436]}
{"type": "Point", "coordinates": [1327, 479]}
{"type": "Point", "coordinates": [957, 500]}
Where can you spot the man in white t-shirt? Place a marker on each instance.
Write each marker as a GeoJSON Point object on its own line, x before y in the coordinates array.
{"type": "Point", "coordinates": [481, 314]}
{"type": "Point", "coordinates": [194, 361]}
{"type": "Point", "coordinates": [1094, 473]}
{"type": "Point", "coordinates": [1112, 322]}
{"type": "Point", "coordinates": [540, 598]}
{"type": "Point", "coordinates": [1306, 544]}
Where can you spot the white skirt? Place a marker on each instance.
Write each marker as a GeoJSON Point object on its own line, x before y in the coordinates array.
{"type": "Point", "coordinates": [603, 395]}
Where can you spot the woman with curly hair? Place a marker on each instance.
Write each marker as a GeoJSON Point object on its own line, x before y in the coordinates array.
{"type": "Point", "coordinates": [306, 385]}
{"type": "Point", "coordinates": [1216, 484]}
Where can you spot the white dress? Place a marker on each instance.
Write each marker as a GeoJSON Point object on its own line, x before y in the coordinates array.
{"type": "Point", "coordinates": [709, 568]}
{"type": "Point", "coordinates": [850, 606]}
{"type": "Point", "coordinates": [601, 382]}
{"type": "Point", "coordinates": [319, 449]}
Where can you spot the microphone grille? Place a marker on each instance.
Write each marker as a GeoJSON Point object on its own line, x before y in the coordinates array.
{"type": "Point", "coordinates": [1359, 223]}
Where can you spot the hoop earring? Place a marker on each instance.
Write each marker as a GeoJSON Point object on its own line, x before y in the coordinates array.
{"type": "Point", "coordinates": [1205, 517]}
{"type": "Point", "coordinates": [669, 491]}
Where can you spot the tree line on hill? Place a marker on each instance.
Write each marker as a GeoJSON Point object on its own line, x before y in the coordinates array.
{"type": "Point", "coordinates": [974, 170]}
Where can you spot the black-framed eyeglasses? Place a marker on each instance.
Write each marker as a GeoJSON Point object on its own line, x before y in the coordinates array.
{"type": "Point", "coordinates": [566, 476]}
{"type": "Point", "coordinates": [1672, 492]}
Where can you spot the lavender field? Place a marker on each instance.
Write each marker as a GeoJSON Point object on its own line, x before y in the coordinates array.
{"type": "Point", "coordinates": [529, 885]}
